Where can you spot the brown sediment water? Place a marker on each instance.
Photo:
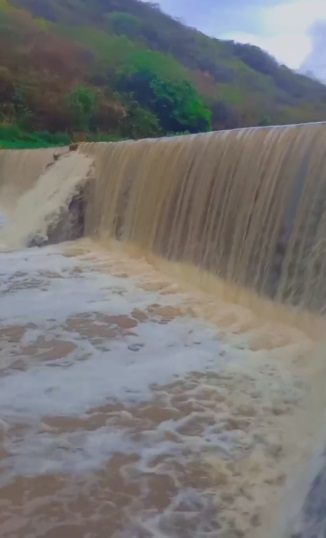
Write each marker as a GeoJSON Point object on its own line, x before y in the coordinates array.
{"type": "Point", "coordinates": [163, 377]}
{"type": "Point", "coordinates": [40, 210]}
{"type": "Point", "coordinates": [20, 170]}
{"type": "Point", "coordinates": [246, 205]}
{"type": "Point", "coordinates": [133, 405]}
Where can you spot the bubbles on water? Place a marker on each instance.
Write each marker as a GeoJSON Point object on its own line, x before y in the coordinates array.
{"type": "Point", "coordinates": [53, 208]}
{"type": "Point", "coordinates": [122, 410]}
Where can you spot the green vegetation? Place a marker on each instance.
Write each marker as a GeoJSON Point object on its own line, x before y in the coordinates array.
{"type": "Point", "coordinates": [81, 105]}
{"type": "Point", "coordinates": [12, 137]}
{"type": "Point", "coordinates": [112, 69]}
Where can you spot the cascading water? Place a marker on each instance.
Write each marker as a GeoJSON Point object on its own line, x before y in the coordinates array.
{"type": "Point", "coordinates": [198, 434]}
{"type": "Point", "coordinates": [20, 170]}
{"type": "Point", "coordinates": [247, 205]}
{"type": "Point", "coordinates": [49, 210]}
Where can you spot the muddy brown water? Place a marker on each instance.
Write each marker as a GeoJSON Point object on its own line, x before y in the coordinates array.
{"type": "Point", "coordinates": [157, 381]}
{"type": "Point", "coordinates": [131, 407]}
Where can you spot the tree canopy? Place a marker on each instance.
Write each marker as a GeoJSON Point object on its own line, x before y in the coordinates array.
{"type": "Point", "coordinates": [122, 68]}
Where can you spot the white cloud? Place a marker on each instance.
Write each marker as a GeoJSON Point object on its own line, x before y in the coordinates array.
{"type": "Point", "coordinates": [281, 27]}
{"type": "Point", "coordinates": [316, 60]}
{"type": "Point", "coordinates": [288, 48]}
{"type": "Point", "coordinates": [288, 26]}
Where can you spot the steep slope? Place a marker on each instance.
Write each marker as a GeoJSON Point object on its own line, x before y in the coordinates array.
{"type": "Point", "coordinates": [148, 73]}
{"type": "Point", "coordinates": [38, 69]}
{"type": "Point", "coordinates": [35, 61]}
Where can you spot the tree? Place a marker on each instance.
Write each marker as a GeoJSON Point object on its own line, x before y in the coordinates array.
{"type": "Point", "coordinates": [179, 106]}
{"type": "Point", "coordinates": [140, 123]}
{"type": "Point", "coordinates": [224, 116]}
{"type": "Point", "coordinates": [22, 110]}
{"type": "Point", "coordinates": [7, 93]}
{"type": "Point", "coordinates": [176, 103]}
{"type": "Point", "coordinates": [125, 24]}
{"type": "Point", "coordinates": [264, 122]}
{"type": "Point", "coordinates": [81, 102]}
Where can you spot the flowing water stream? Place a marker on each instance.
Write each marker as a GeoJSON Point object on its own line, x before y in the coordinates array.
{"type": "Point", "coordinates": [162, 364]}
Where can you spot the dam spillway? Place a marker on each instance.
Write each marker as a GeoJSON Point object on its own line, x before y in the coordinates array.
{"type": "Point", "coordinates": [130, 404]}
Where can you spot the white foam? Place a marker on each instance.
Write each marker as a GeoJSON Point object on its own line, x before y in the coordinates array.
{"type": "Point", "coordinates": [46, 453]}
{"type": "Point", "coordinates": [88, 377]}
{"type": "Point", "coordinates": [24, 274]}
{"type": "Point", "coordinates": [223, 411]}
{"type": "Point", "coordinates": [43, 205]}
{"type": "Point", "coordinates": [72, 387]}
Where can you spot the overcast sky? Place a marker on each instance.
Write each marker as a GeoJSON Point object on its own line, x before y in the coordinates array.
{"type": "Point", "coordinates": [293, 31]}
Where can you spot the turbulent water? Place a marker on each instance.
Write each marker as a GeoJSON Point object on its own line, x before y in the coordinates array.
{"type": "Point", "coordinates": [247, 205]}
{"type": "Point", "coordinates": [42, 213]}
{"type": "Point", "coordinates": [20, 170]}
{"type": "Point", "coordinates": [155, 379]}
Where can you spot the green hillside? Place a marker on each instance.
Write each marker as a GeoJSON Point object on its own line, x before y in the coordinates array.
{"type": "Point", "coordinates": [121, 68]}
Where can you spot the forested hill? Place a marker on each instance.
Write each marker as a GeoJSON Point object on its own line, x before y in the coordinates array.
{"type": "Point", "coordinates": [124, 68]}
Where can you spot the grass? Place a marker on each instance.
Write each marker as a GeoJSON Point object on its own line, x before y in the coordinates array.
{"type": "Point", "coordinates": [13, 137]}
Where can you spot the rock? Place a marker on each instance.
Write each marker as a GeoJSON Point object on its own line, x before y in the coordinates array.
{"type": "Point", "coordinates": [74, 146]}
{"type": "Point", "coordinates": [37, 241]}
{"type": "Point", "coordinates": [70, 223]}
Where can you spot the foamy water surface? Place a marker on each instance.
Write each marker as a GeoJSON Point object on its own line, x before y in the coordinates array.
{"type": "Point", "coordinates": [123, 414]}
